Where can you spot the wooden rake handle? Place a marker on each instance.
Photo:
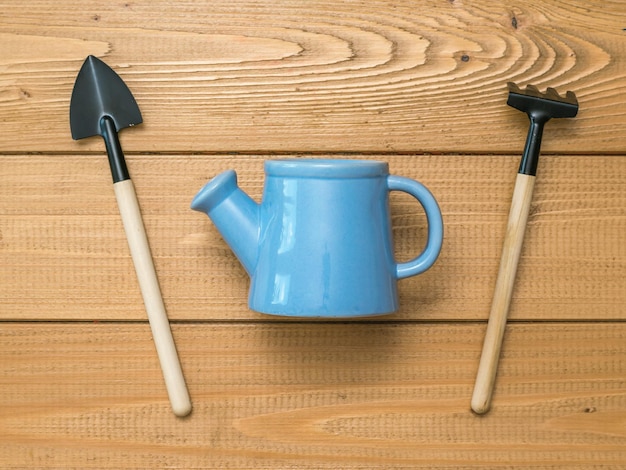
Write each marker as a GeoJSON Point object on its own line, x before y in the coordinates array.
{"type": "Point", "coordinates": [149, 285]}
{"type": "Point", "coordinates": [487, 368]}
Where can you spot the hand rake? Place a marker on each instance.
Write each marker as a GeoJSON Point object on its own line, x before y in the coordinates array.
{"type": "Point", "coordinates": [540, 107]}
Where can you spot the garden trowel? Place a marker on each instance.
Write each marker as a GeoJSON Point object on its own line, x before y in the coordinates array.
{"type": "Point", "coordinates": [102, 105]}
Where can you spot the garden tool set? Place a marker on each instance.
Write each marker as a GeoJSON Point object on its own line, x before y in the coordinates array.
{"type": "Point", "coordinates": [101, 104]}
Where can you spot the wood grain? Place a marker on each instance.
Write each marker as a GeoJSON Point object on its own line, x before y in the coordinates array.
{"type": "Point", "coordinates": [280, 76]}
{"type": "Point", "coordinates": [311, 396]}
{"type": "Point", "coordinates": [226, 84]}
{"type": "Point", "coordinates": [65, 255]}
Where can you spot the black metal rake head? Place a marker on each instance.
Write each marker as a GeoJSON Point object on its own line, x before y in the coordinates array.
{"type": "Point", "coordinates": [540, 108]}
{"type": "Point", "coordinates": [547, 105]}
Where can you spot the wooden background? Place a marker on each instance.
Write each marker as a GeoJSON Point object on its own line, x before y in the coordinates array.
{"type": "Point", "coordinates": [228, 84]}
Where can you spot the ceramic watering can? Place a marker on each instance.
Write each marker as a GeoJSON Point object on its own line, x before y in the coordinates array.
{"type": "Point", "coordinates": [320, 242]}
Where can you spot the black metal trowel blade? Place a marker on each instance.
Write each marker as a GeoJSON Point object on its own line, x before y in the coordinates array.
{"type": "Point", "coordinates": [99, 92]}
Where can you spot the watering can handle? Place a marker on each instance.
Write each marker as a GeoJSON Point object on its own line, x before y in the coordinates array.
{"type": "Point", "coordinates": [431, 251]}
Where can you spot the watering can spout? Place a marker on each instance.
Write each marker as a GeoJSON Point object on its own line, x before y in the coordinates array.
{"type": "Point", "coordinates": [235, 215]}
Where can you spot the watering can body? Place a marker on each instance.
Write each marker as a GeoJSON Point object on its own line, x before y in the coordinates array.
{"type": "Point", "coordinates": [320, 243]}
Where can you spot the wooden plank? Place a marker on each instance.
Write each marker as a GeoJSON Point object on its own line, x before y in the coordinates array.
{"type": "Point", "coordinates": [326, 76]}
{"type": "Point", "coordinates": [312, 396]}
{"type": "Point", "coordinates": [64, 254]}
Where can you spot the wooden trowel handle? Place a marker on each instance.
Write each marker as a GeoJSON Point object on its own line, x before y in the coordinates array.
{"type": "Point", "coordinates": [148, 282]}
{"type": "Point", "coordinates": [518, 216]}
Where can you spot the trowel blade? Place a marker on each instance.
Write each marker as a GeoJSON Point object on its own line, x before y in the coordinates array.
{"type": "Point", "coordinates": [98, 92]}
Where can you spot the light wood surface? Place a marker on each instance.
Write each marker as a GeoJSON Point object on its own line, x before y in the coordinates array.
{"type": "Point", "coordinates": [228, 84]}
{"type": "Point", "coordinates": [64, 247]}
{"type": "Point", "coordinates": [322, 76]}
{"type": "Point", "coordinates": [333, 395]}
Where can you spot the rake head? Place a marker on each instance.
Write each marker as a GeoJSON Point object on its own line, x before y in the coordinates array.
{"type": "Point", "coordinates": [542, 105]}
